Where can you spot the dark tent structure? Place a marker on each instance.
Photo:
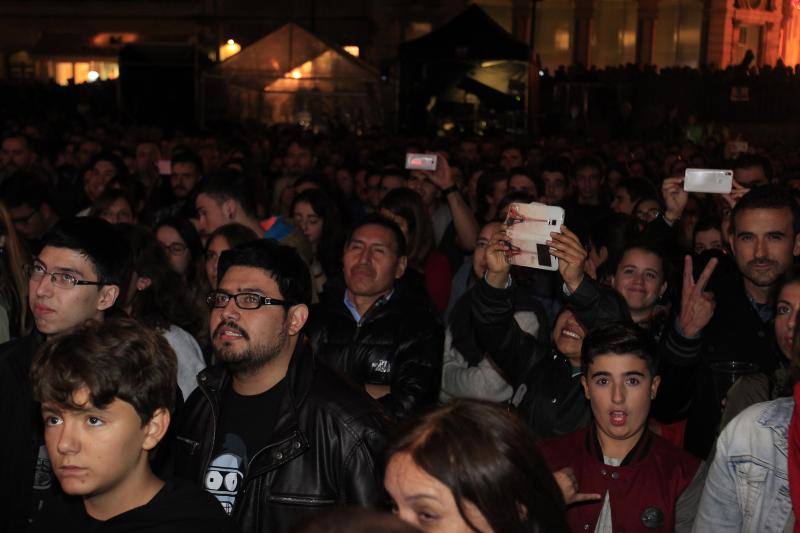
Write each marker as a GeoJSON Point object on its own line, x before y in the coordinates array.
{"type": "Point", "coordinates": [470, 74]}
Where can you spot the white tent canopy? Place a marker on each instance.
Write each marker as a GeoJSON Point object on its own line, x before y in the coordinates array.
{"type": "Point", "coordinates": [291, 73]}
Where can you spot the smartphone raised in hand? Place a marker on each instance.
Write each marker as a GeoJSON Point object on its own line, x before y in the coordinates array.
{"type": "Point", "coordinates": [529, 228]}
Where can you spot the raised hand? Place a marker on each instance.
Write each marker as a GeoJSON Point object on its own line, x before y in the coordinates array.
{"type": "Point", "coordinates": [442, 177]}
{"type": "Point", "coordinates": [737, 191]}
{"type": "Point", "coordinates": [571, 257]}
{"type": "Point", "coordinates": [497, 265]}
{"type": "Point", "coordinates": [697, 305]}
{"type": "Point", "coordinates": [675, 198]}
{"type": "Point", "coordinates": [568, 484]}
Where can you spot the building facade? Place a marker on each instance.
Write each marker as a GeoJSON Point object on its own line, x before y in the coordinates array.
{"type": "Point", "coordinates": [79, 40]}
{"type": "Point", "coordinates": [658, 32]}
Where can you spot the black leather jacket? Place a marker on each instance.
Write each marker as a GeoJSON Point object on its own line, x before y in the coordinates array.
{"type": "Point", "coordinates": [325, 448]}
{"type": "Point", "coordinates": [397, 343]}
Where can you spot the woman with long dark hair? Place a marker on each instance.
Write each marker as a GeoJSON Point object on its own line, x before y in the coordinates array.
{"type": "Point", "coordinates": [316, 215]}
{"type": "Point", "coordinates": [158, 297]}
{"type": "Point", "coordinates": [479, 469]}
{"type": "Point", "coordinates": [13, 283]}
{"type": "Point", "coordinates": [404, 207]}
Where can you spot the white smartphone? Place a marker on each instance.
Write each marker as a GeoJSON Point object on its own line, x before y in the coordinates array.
{"type": "Point", "coordinates": [529, 228]}
{"type": "Point", "coordinates": [421, 161]}
{"type": "Point", "coordinates": [708, 180]}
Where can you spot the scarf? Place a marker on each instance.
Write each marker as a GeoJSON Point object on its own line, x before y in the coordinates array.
{"type": "Point", "coordinates": [794, 458]}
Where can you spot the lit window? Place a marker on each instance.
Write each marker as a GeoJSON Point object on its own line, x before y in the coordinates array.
{"type": "Point", "coordinates": [352, 50]}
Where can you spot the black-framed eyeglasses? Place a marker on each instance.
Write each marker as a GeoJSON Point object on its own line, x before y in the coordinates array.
{"type": "Point", "coordinates": [243, 300]}
{"type": "Point", "coordinates": [64, 280]}
{"type": "Point", "coordinates": [175, 248]}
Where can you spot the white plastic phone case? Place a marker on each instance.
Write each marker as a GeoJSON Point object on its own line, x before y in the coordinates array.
{"type": "Point", "coordinates": [708, 180]}
{"type": "Point", "coordinates": [529, 228]}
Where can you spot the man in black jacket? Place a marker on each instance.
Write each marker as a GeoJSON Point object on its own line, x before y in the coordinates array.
{"type": "Point", "coordinates": [373, 332]}
{"type": "Point", "coordinates": [76, 277]}
{"type": "Point", "coordinates": [271, 433]}
{"type": "Point", "coordinates": [765, 238]}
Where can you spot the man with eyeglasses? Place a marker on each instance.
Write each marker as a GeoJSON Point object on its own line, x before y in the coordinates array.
{"type": "Point", "coordinates": [30, 209]}
{"type": "Point", "coordinates": [271, 433]}
{"type": "Point", "coordinates": [75, 277]}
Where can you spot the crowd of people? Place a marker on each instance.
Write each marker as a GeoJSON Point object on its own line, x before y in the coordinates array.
{"type": "Point", "coordinates": [269, 330]}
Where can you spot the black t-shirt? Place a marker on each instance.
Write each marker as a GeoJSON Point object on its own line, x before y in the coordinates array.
{"type": "Point", "coordinates": [245, 427]}
{"type": "Point", "coordinates": [178, 507]}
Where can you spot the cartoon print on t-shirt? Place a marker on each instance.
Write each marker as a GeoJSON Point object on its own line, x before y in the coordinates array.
{"type": "Point", "coordinates": [226, 472]}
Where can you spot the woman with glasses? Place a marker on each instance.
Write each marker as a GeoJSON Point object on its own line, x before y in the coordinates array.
{"type": "Point", "coordinates": [157, 297]}
{"type": "Point", "coordinates": [184, 250]}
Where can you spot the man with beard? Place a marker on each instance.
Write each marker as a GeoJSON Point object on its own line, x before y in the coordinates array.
{"type": "Point", "coordinates": [273, 435]}
{"type": "Point", "coordinates": [765, 225]}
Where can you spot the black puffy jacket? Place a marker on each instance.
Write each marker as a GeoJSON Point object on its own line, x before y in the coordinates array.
{"type": "Point", "coordinates": [554, 402]}
{"type": "Point", "coordinates": [397, 343]}
{"type": "Point", "coordinates": [325, 447]}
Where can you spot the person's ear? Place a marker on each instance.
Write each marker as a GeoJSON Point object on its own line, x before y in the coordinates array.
{"type": "Point", "coordinates": [229, 208]}
{"type": "Point", "coordinates": [143, 283]}
{"type": "Point", "coordinates": [603, 254]}
{"type": "Point", "coordinates": [155, 428]}
{"type": "Point", "coordinates": [297, 316]}
{"type": "Point", "coordinates": [654, 387]}
{"type": "Point", "coordinates": [402, 263]}
{"type": "Point", "coordinates": [663, 289]}
{"type": "Point", "coordinates": [108, 295]}
{"type": "Point", "coordinates": [796, 250]}
{"type": "Point", "coordinates": [585, 385]}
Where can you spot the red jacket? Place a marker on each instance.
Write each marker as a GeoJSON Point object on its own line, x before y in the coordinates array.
{"type": "Point", "coordinates": [643, 490]}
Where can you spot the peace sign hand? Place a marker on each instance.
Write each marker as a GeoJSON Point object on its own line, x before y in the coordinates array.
{"type": "Point", "coordinates": [697, 305]}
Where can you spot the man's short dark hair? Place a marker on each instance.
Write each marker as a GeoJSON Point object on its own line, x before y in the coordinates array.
{"type": "Point", "coordinates": [559, 164]}
{"type": "Point", "coordinates": [119, 358]}
{"type": "Point", "coordinates": [229, 186]}
{"type": "Point", "coordinates": [746, 160]}
{"type": "Point", "coordinates": [115, 160]}
{"type": "Point", "coordinates": [768, 197]}
{"type": "Point", "coordinates": [96, 240]}
{"type": "Point", "coordinates": [639, 188]}
{"type": "Point", "coordinates": [619, 338]}
{"type": "Point", "coordinates": [282, 262]}
{"type": "Point", "coordinates": [187, 157]}
{"type": "Point", "coordinates": [375, 219]}
{"type": "Point", "coordinates": [590, 162]}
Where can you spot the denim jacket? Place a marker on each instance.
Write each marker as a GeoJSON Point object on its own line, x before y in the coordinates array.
{"type": "Point", "coordinates": [747, 488]}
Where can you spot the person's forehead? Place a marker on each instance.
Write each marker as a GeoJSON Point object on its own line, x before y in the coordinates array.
{"type": "Point", "coordinates": [184, 167]}
{"type": "Point", "coordinates": [763, 219]}
{"type": "Point", "coordinates": [552, 175]}
{"type": "Point", "coordinates": [641, 258]}
{"type": "Point", "coordinates": [710, 233]}
{"type": "Point", "coordinates": [239, 277]}
{"type": "Point", "coordinates": [13, 142]}
{"type": "Point", "coordinates": [205, 200]}
{"type": "Point", "coordinates": [53, 256]}
{"type": "Point", "coordinates": [615, 363]}
{"type": "Point", "coordinates": [374, 234]}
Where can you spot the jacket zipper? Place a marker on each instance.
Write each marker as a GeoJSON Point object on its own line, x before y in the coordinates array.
{"type": "Point", "coordinates": [207, 460]}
